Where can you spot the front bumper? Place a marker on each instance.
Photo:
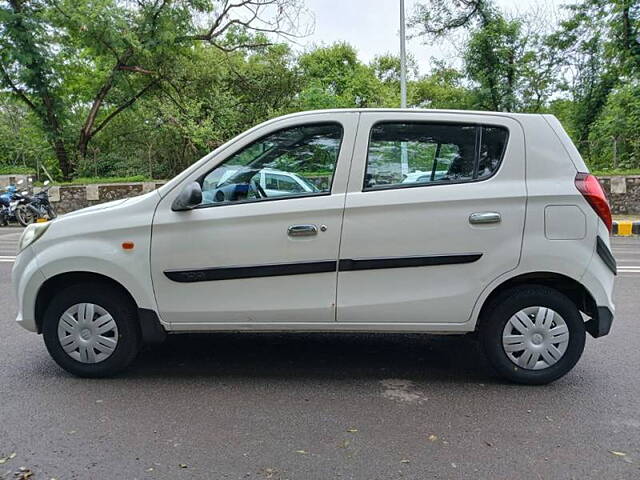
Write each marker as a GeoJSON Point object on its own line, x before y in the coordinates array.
{"type": "Point", "coordinates": [600, 324]}
{"type": "Point", "coordinates": [26, 279]}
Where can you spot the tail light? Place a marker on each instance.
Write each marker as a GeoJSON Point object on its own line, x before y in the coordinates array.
{"type": "Point", "coordinates": [591, 190]}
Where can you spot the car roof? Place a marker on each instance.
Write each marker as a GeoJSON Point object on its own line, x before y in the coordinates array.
{"type": "Point", "coordinates": [415, 110]}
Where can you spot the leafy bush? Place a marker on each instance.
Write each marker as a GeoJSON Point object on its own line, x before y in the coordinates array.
{"type": "Point", "coordinates": [16, 170]}
{"type": "Point", "coordinates": [93, 180]}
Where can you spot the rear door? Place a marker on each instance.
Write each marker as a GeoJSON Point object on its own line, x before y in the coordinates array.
{"type": "Point", "coordinates": [434, 212]}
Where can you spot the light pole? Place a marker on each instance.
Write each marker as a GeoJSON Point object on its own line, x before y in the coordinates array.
{"type": "Point", "coordinates": [403, 58]}
{"type": "Point", "coordinates": [404, 154]}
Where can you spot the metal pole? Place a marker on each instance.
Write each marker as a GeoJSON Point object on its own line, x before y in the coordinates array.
{"type": "Point", "coordinates": [404, 154]}
{"type": "Point", "coordinates": [403, 58]}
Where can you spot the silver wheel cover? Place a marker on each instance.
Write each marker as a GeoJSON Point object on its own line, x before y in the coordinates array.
{"type": "Point", "coordinates": [535, 338]}
{"type": "Point", "coordinates": [88, 333]}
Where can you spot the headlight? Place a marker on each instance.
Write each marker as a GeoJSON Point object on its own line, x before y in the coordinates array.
{"type": "Point", "coordinates": [32, 233]}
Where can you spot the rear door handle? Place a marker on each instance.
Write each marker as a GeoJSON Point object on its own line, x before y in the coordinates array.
{"type": "Point", "coordinates": [483, 218]}
{"type": "Point", "coordinates": [302, 230]}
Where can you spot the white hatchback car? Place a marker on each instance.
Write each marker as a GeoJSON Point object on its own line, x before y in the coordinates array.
{"type": "Point", "coordinates": [510, 239]}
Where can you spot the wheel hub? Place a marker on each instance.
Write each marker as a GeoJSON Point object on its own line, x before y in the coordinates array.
{"type": "Point", "coordinates": [535, 338]}
{"type": "Point", "coordinates": [87, 333]}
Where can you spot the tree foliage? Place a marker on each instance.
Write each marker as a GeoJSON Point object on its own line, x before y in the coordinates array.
{"type": "Point", "coordinates": [94, 59]}
{"type": "Point", "coordinates": [146, 87]}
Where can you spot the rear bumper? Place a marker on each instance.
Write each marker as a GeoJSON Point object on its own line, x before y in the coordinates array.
{"type": "Point", "coordinates": [606, 256]}
{"type": "Point", "coordinates": [600, 324]}
{"type": "Point", "coordinates": [598, 280]}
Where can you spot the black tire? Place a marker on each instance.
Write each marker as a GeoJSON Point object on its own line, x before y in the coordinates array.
{"type": "Point", "coordinates": [25, 216]}
{"type": "Point", "coordinates": [510, 302]}
{"type": "Point", "coordinates": [124, 314]}
{"type": "Point", "coordinates": [51, 213]}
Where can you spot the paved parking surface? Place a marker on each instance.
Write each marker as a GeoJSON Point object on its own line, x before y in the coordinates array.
{"type": "Point", "coordinates": [321, 406]}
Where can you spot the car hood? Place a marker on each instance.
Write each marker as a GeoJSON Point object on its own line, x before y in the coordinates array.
{"type": "Point", "coordinates": [95, 208]}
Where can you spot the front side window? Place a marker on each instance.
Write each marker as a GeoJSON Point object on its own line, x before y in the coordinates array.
{"type": "Point", "coordinates": [414, 154]}
{"type": "Point", "coordinates": [287, 163]}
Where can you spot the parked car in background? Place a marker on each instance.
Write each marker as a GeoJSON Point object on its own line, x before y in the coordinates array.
{"type": "Point", "coordinates": [274, 183]}
{"type": "Point", "coordinates": [424, 177]}
{"type": "Point", "coordinates": [510, 242]}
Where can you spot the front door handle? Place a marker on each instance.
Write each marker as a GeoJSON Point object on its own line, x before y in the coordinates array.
{"type": "Point", "coordinates": [302, 230]}
{"type": "Point", "coordinates": [483, 218]}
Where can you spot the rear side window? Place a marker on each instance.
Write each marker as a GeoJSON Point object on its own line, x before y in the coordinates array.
{"type": "Point", "coordinates": [418, 154]}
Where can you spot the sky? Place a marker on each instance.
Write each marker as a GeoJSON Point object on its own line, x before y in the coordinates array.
{"type": "Point", "coordinates": [372, 26]}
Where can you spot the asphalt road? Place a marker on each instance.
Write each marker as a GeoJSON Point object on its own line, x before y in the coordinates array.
{"type": "Point", "coordinates": [345, 406]}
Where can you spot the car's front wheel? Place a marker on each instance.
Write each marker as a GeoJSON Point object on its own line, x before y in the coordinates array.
{"type": "Point", "coordinates": [532, 334]}
{"type": "Point", "coordinates": [91, 330]}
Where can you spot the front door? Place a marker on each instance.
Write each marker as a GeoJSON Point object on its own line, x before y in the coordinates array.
{"type": "Point", "coordinates": [247, 254]}
{"type": "Point", "coordinates": [434, 212]}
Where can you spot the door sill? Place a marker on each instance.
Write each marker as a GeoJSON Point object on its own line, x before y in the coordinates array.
{"type": "Point", "coordinates": [440, 328]}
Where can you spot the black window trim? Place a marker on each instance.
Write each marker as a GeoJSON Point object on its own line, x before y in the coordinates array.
{"type": "Point", "coordinates": [201, 178]}
{"type": "Point", "coordinates": [478, 142]}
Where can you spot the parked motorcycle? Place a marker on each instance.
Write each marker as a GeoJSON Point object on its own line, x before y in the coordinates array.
{"type": "Point", "coordinates": [30, 209]}
{"type": "Point", "coordinates": [8, 204]}
{"type": "Point", "coordinates": [5, 205]}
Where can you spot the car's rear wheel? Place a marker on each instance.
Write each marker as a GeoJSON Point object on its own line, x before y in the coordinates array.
{"type": "Point", "coordinates": [532, 334]}
{"type": "Point", "coordinates": [91, 330]}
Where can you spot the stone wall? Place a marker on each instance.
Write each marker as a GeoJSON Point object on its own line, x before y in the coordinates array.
{"type": "Point", "coordinates": [66, 198]}
{"type": "Point", "coordinates": [623, 194]}
{"type": "Point", "coordinates": [6, 180]}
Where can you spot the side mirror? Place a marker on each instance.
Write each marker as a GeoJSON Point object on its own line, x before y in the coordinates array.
{"type": "Point", "coordinates": [189, 198]}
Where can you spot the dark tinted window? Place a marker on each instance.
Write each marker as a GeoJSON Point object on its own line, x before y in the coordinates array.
{"type": "Point", "coordinates": [410, 154]}
{"type": "Point", "coordinates": [492, 147]}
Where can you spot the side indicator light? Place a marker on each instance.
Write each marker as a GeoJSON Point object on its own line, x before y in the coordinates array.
{"type": "Point", "coordinates": [128, 245]}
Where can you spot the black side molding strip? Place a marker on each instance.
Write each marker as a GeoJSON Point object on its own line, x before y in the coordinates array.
{"type": "Point", "coordinates": [236, 273]}
{"type": "Point", "coordinates": [348, 265]}
{"type": "Point", "coordinates": [285, 269]}
{"type": "Point", "coordinates": [607, 257]}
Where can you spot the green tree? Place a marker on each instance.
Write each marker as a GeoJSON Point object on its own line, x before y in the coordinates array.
{"type": "Point", "coordinates": [334, 77]}
{"type": "Point", "coordinates": [23, 142]}
{"type": "Point", "coordinates": [615, 136]}
{"type": "Point", "coordinates": [601, 52]}
{"type": "Point", "coordinates": [514, 70]}
{"type": "Point", "coordinates": [78, 64]}
{"type": "Point", "coordinates": [442, 88]}
{"type": "Point", "coordinates": [436, 18]}
{"type": "Point", "coordinates": [492, 59]}
{"type": "Point", "coordinates": [214, 95]}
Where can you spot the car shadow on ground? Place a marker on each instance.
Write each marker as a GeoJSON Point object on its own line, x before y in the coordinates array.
{"type": "Point", "coordinates": [316, 356]}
